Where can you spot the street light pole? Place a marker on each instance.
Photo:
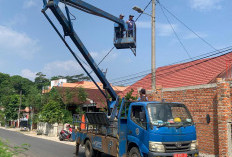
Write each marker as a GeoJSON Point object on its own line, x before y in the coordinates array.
{"type": "Point", "coordinates": [153, 78]}
{"type": "Point", "coordinates": [141, 11]}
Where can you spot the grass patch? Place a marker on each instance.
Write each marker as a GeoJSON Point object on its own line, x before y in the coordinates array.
{"type": "Point", "coordinates": [8, 151]}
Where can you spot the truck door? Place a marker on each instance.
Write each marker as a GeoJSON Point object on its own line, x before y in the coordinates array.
{"type": "Point", "coordinates": [137, 129]}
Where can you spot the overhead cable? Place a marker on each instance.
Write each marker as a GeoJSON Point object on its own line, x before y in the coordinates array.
{"type": "Point", "coordinates": [210, 45]}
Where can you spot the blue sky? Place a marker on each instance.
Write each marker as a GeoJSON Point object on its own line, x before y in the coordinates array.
{"type": "Point", "coordinates": [28, 44]}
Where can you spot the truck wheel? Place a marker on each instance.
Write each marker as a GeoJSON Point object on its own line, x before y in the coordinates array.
{"type": "Point", "coordinates": [97, 153]}
{"type": "Point", "coordinates": [77, 148]}
{"type": "Point", "coordinates": [89, 149]}
{"type": "Point", "coordinates": [134, 152]}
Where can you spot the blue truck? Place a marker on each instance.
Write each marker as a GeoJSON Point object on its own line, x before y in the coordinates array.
{"type": "Point", "coordinates": [146, 129]}
{"type": "Point", "coordinates": [133, 129]}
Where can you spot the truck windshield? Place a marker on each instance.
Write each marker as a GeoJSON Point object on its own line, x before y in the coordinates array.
{"type": "Point", "coordinates": [169, 114]}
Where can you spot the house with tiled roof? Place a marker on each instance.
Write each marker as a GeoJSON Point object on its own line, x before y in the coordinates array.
{"type": "Point", "coordinates": [95, 100]}
{"type": "Point", "coordinates": [197, 72]}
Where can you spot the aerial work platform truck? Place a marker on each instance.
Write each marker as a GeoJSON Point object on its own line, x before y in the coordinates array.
{"type": "Point", "coordinates": [134, 129]}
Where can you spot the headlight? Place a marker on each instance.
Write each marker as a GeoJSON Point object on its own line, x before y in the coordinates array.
{"type": "Point", "coordinates": [193, 145]}
{"type": "Point", "coordinates": [156, 147]}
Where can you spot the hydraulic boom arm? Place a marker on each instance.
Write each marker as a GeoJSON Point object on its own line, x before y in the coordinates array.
{"type": "Point", "coordinates": [69, 31]}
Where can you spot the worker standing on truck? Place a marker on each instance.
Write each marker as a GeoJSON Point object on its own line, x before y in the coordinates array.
{"type": "Point", "coordinates": [142, 95]}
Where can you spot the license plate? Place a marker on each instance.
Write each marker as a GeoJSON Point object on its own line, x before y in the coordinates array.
{"type": "Point", "coordinates": [180, 155]}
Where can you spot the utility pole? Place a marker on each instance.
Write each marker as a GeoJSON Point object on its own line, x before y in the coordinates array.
{"type": "Point", "coordinates": [141, 11]}
{"type": "Point", "coordinates": [19, 107]}
{"type": "Point", "coordinates": [153, 78]}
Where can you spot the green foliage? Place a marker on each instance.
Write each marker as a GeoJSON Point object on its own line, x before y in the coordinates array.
{"type": "Point", "coordinates": [4, 150]}
{"type": "Point", "coordinates": [41, 81]}
{"type": "Point", "coordinates": [82, 94]}
{"type": "Point", "coordinates": [52, 112]}
{"type": "Point", "coordinates": [11, 109]}
{"type": "Point", "coordinates": [67, 117]}
{"type": "Point", "coordinates": [79, 110]}
{"type": "Point", "coordinates": [7, 151]}
{"type": "Point", "coordinates": [129, 96]}
{"type": "Point", "coordinates": [48, 107]}
{"type": "Point", "coordinates": [69, 96]}
{"type": "Point", "coordinates": [2, 120]}
{"type": "Point", "coordinates": [20, 84]}
{"type": "Point", "coordinates": [34, 98]}
{"type": "Point", "coordinates": [72, 79]}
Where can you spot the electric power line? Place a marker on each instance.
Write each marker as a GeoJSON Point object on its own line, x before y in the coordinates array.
{"type": "Point", "coordinates": [177, 70]}
{"type": "Point", "coordinates": [180, 63]}
{"type": "Point", "coordinates": [143, 10]}
{"type": "Point", "coordinates": [210, 45]}
{"type": "Point", "coordinates": [181, 43]}
{"type": "Point", "coordinates": [113, 46]}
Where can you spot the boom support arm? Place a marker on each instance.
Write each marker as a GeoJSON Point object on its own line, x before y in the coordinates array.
{"type": "Point", "coordinates": [68, 29]}
{"type": "Point", "coordinates": [79, 4]}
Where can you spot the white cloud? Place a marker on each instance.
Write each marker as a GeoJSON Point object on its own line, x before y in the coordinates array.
{"type": "Point", "coordinates": [13, 42]}
{"type": "Point", "coordinates": [98, 56]}
{"type": "Point", "coordinates": [165, 29]}
{"type": "Point", "coordinates": [69, 67]}
{"type": "Point", "coordinates": [28, 74]}
{"type": "Point", "coordinates": [29, 3]}
{"type": "Point", "coordinates": [205, 4]}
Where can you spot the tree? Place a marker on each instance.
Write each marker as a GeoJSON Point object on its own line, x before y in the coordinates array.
{"type": "Point", "coordinates": [12, 106]}
{"type": "Point", "coordinates": [52, 112]}
{"type": "Point", "coordinates": [82, 94]}
{"type": "Point", "coordinates": [33, 99]}
{"type": "Point", "coordinates": [41, 81]}
{"type": "Point", "coordinates": [20, 84]}
{"type": "Point", "coordinates": [4, 77]}
{"type": "Point", "coordinates": [129, 96]}
{"type": "Point", "coordinates": [2, 118]}
{"type": "Point", "coordinates": [55, 111]}
{"type": "Point", "coordinates": [73, 78]}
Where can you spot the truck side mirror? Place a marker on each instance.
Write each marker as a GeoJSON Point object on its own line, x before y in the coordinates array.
{"type": "Point", "coordinates": [142, 116]}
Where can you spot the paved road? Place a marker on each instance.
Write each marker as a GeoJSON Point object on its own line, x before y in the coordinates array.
{"type": "Point", "coordinates": [40, 147]}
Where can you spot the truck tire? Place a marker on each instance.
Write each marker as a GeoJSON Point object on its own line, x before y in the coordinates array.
{"type": "Point", "coordinates": [134, 152]}
{"type": "Point", "coordinates": [77, 148]}
{"type": "Point", "coordinates": [89, 152]}
{"type": "Point", "coordinates": [97, 153]}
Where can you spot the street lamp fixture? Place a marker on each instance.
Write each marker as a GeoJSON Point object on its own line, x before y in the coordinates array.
{"type": "Point", "coordinates": [139, 10]}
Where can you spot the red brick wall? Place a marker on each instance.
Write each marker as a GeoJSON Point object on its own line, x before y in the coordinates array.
{"type": "Point", "coordinates": [214, 100]}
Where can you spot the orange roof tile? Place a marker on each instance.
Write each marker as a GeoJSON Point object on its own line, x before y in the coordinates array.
{"type": "Point", "coordinates": [91, 85]}
{"type": "Point", "coordinates": [197, 72]}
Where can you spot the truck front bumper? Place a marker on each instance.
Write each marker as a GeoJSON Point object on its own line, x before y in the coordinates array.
{"type": "Point", "coordinates": [190, 153]}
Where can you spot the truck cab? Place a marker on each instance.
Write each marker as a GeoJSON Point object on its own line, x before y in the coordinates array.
{"type": "Point", "coordinates": [160, 129]}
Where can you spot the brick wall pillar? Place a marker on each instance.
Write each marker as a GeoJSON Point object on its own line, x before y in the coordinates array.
{"type": "Point", "coordinates": [224, 116]}
{"type": "Point", "coordinates": [157, 95]}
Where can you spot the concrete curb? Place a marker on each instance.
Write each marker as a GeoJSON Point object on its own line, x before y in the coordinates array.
{"type": "Point", "coordinates": [34, 134]}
